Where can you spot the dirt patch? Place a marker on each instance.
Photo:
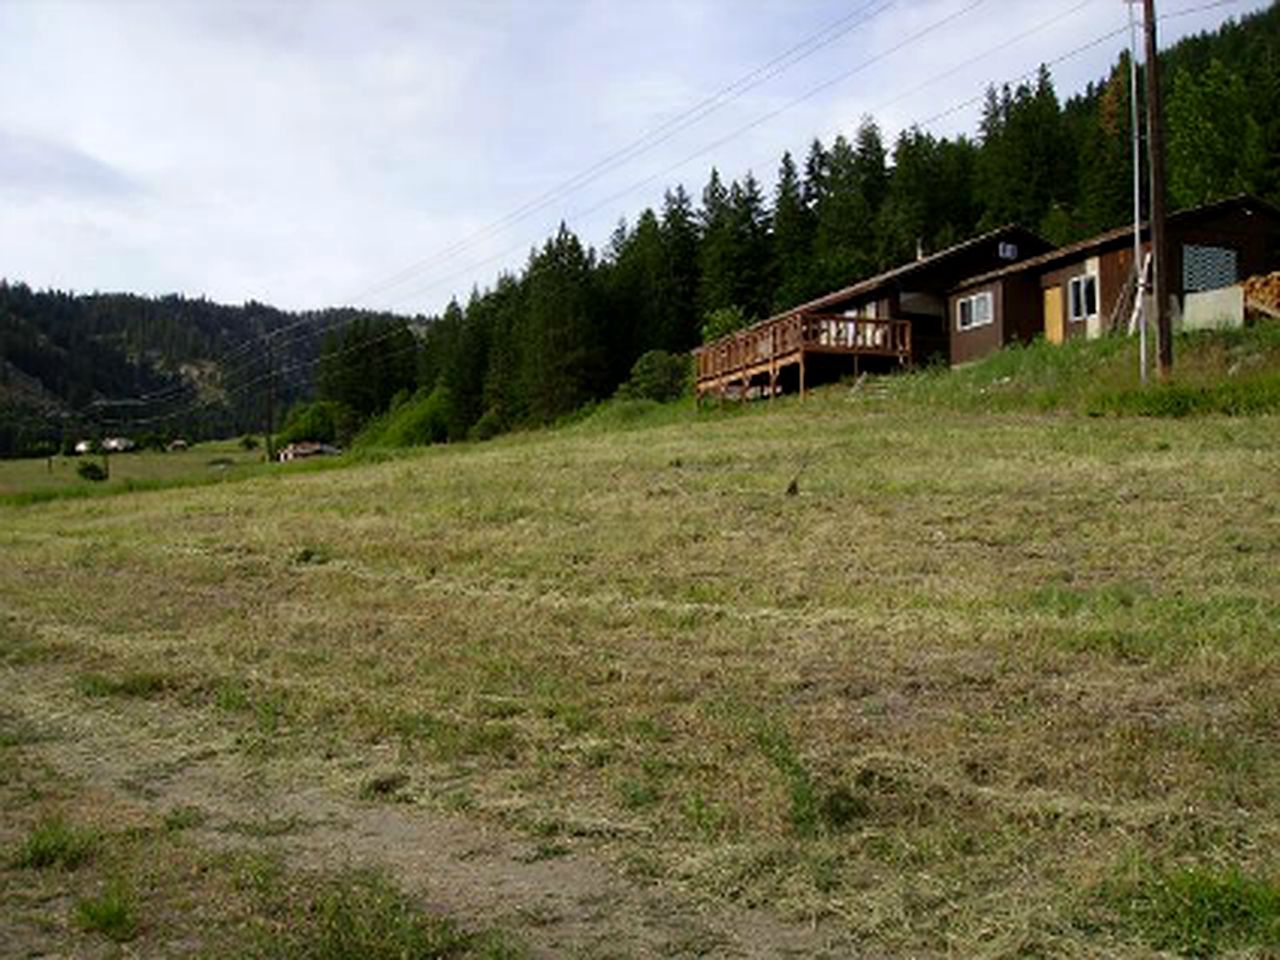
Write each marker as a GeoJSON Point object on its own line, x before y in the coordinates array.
{"type": "Point", "coordinates": [560, 901]}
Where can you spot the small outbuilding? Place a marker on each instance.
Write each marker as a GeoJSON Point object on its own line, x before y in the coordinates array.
{"type": "Point", "coordinates": [305, 449]}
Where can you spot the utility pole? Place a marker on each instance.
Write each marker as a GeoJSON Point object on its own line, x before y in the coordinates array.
{"type": "Point", "coordinates": [1155, 158]}
{"type": "Point", "coordinates": [271, 402]}
{"type": "Point", "coordinates": [1139, 275]}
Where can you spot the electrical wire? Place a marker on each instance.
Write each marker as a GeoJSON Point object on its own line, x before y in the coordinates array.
{"type": "Point", "coordinates": [1076, 51]}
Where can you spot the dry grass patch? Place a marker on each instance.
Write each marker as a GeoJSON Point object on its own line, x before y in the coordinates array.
{"type": "Point", "coordinates": [931, 698]}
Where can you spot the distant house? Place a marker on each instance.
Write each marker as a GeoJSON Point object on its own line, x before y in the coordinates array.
{"type": "Point", "coordinates": [1086, 289]}
{"type": "Point", "coordinates": [895, 318]}
{"type": "Point", "coordinates": [117, 444]}
{"type": "Point", "coordinates": [176, 446]}
{"type": "Point", "coordinates": [307, 448]}
{"type": "Point", "coordinates": [83, 446]}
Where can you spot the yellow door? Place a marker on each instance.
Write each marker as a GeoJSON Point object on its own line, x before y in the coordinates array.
{"type": "Point", "coordinates": [1053, 330]}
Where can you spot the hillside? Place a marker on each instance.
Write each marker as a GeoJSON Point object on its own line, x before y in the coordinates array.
{"type": "Point", "coordinates": [988, 683]}
{"type": "Point", "coordinates": [67, 360]}
{"type": "Point", "coordinates": [565, 331]}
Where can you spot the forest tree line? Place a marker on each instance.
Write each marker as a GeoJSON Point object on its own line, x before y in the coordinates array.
{"type": "Point", "coordinates": [568, 328]}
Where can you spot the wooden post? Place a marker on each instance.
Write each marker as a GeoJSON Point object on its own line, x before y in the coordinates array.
{"type": "Point", "coordinates": [802, 371]}
{"type": "Point", "coordinates": [1155, 151]}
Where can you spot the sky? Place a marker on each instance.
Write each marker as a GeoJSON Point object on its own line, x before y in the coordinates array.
{"type": "Point", "coordinates": [391, 155]}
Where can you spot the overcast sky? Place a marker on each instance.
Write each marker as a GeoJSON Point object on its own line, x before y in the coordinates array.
{"type": "Point", "coordinates": [307, 154]}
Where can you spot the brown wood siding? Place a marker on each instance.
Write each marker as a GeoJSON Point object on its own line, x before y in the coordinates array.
{"type": "Point", "coordinates": [1254, 237]}
{"type": "Point", "coordinates": [1022, 309]}
{"type": "Point", "coordinates": [1114, 270]}
{"type": "Point", "coordinates": [976, 342]}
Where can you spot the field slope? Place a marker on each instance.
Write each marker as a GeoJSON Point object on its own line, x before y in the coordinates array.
{"type": "Point", "coordinates": [980, 684]}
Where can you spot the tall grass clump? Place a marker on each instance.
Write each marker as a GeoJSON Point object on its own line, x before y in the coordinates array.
{"type": "Point", "coordinates": [55, 843]}
{"type": "Point", "coordinates": [112, 913]}
{"type": "Point", "coordinates": [1199, 911]}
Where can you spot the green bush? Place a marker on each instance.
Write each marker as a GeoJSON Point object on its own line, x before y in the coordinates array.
{"type": "Point", "coordinates": [324, 421]}
{"type": "Point", "coordinates": [488, 426]}
{"type": "Point", "coordinates": [658, 376]}
{"type": "Point", "coordinates": [717, 323]}
{"type": "Point", "coordinates": [91, 470]}
{"type": "Point", "coordinates": [422, 419]}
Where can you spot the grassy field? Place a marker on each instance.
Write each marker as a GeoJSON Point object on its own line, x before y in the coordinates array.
{"type": "Point", "coordinates": [56, 477]}
{"type": "Point", "coordinates": [986, 684]}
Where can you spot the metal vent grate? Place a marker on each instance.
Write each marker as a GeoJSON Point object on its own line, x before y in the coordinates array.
{"type": "Point", "coordinates": [1207, 268]}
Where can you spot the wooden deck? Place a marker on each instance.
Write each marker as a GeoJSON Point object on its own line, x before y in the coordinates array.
{"type": "Point", "coordinates": [752, 360]}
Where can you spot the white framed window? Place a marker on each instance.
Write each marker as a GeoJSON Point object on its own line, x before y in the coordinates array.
{"type": "Point", "coordinates": [1082, 296]}
{"type": "Point", "coordinates": [974, 311]}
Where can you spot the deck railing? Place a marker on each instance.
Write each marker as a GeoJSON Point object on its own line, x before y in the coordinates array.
{"type": "Point", "coordinates": [783, 340]}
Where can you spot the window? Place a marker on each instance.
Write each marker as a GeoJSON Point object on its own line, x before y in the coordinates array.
{"type": "Point", "coordinates": [974, 311]}
{"type": "Point", "coordinates": [1207, 268]}
{"type": "Point", "coordinates": [1008, 251]}
{"type": "Point", "coordinates": [1083, 297]}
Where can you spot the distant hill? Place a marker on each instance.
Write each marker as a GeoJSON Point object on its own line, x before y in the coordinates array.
{"type": "Point", "coordinates": [567, 329]}
{"type": "Point", "coordinates": [73, 365]}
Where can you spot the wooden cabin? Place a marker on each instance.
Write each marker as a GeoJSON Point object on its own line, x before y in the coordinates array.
{"type": "Point", "coordinates": [895, 319]}
{"type": "Point", "coordinates": [1087, 289]}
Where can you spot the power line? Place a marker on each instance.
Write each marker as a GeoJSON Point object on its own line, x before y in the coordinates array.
{"type": "Point", "coordinates": [791, 104]}
{"type": "Point", "coordinates": [823, 37]}
{"type": "Point", "coordinates": [764, 118]}
{"type": "Point", "coordinates": [1076, 51]}
{"type": "Point", "coordinates": [647, 141]}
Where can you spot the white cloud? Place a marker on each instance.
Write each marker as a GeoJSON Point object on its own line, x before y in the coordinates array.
{"type": "Point", "coordinates": [302, 152]}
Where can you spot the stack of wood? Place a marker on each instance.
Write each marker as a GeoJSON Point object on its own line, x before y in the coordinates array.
{"type": "Point", "coordinates": [1262, 294]}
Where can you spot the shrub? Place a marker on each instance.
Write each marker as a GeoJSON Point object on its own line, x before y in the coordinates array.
{"type": "Point", "coordinates": [717, 323]}
{"type": "Point", "coordinates": [91, 470]}
{"type": "Point", "coordinates": [422, 419]}
{"type": "Point", "coordinates": [325, 421]}
{"type": "Point", "coordinates": [657, 375]}
{"type": "Point", "coordinates": [488, 426]}
{"type": "Point", "coordinates": [248, 442]}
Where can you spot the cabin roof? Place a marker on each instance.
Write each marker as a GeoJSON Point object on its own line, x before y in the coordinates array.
{"type": "Point", "coordinates": [1247, 203]}
{"type": "Point", "coordinates": [1009, 232]}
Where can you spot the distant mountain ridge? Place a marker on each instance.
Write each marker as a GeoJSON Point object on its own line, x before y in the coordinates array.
{"type": "Point", "coordinates": [90, 364]}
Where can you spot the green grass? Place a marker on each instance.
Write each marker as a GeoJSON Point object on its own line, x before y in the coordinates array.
{"type": "Point", "coordinates": [149, 885]}
{"type": "Point", "coordinates": [1200, 911]}
{"type": "Point", "coordinates": [35, 481]}
{"type": "Point", "coordinates": [112, 912]}
{"type": "Point", "coordinates": [53, 842]}
{"type": "Point", "coordinates": [360, 916]}
{"type": "Point", "coordinates": [1232, 373]}
{"type": "Point", "coordinates": [984, 652]}
{"type": "Point", "coordinates": [140, 684]}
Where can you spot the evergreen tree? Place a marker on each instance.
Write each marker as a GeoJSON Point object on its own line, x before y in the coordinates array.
{"type": "Point", "coordinates": [680, 249]}
{"type": "Point", "coordinates": [844, 244]}
{"type": "Point", "coordinates": [562, 352]}
{"type": "Point", "coordinates": [793, 229]}
{"type": "Point", "coordinates": [1216, 146]}
{"type": "Point", "coordinates": [716, 286]}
